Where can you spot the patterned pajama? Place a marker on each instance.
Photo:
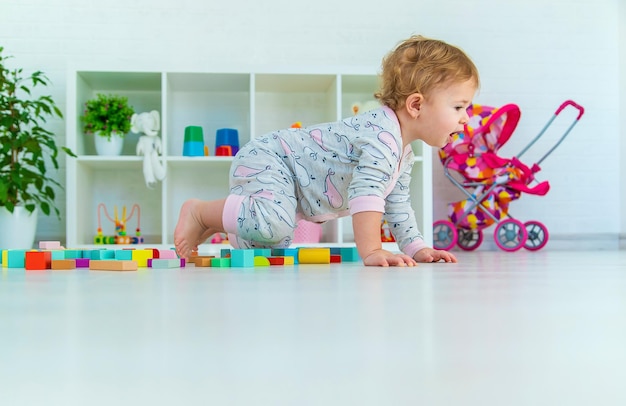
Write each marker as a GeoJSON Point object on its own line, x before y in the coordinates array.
{"type": "Point", "coordinates": [321, 173]}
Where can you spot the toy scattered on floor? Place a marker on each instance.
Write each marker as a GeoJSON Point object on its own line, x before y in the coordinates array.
{"type": "Point", "coordinates": [149, 145]}
{"type": "Point", "coordinates": [130, 259]}
{"type": "Point", "coordinates": [120, 236]}
{"type": "Point", "coordinates": [385, 232]}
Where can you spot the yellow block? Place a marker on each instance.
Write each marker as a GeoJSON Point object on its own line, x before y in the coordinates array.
{"type": "Point", "coordinates": [314, 255]}
{"type": "Point", "coordinates": [142, 256]}
{"type": "Point", "coordinates": [261, 261]}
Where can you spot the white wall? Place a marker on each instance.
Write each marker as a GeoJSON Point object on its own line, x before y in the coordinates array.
{"type": "Point", "coordinates": [622, 128]}
{"type": "Point", "coordinates": [535, 53]}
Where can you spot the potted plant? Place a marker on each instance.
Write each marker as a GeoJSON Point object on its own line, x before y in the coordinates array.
{"type": "Point", "coordinates": [107, 117]}
{"type": "Point", "coordinates": [27, 150]}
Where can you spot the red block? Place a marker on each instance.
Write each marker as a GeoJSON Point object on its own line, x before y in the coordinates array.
{"type": "Point", "coordinates": [38, 260]}
{"type": "Point", "coordinates": [335, 259]}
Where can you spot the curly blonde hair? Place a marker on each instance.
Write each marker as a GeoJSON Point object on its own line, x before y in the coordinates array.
{"type": "Point", "coordinates": [420, 64]}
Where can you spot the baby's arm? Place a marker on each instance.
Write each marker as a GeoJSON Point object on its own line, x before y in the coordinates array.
{"type": "Point", "coordinates": [366, 227]}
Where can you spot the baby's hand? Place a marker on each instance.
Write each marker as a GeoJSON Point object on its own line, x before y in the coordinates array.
{"type": "Point", "coordinates": [386, 258]}
{"type": "Point", "coordinates": [433, 255]}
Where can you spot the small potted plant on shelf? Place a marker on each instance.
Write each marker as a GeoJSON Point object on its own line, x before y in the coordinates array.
{"type": "Point", "coordinates": [107, 117]}
{"type": "Point", "coordinates": [27, 150]}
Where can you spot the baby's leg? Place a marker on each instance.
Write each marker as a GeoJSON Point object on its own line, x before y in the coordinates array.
{"type": "Point", "coordinates": [198, 220]}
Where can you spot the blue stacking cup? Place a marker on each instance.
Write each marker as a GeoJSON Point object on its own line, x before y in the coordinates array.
{"type": "Point", "coordinates": [227, 136]}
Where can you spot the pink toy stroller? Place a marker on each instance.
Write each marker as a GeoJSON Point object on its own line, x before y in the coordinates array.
{"type": "Point", "coordinates": [491, 182]}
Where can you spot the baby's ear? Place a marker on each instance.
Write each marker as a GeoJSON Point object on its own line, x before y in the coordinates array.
{"type": "Point", "coordinates": [413, 104]}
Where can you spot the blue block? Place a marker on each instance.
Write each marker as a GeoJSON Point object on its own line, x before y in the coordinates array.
{"type": "Point", "coordinates": [73, 254]}
{"type": "Point", "coordinates": [15, 259]}
{"type": "Point", "coordinates": [348, 254]}
{"type": "Point", "coordinates": [124, 255]}
{"type": "Point", "coordinates": [286, 252]}
{"type": "Point", "coordinates": [102, 254]}
{"type": "Point", "coordinates": [225, 252]}
{"type": "Point", "coordinates": [241, 258]}
{"type": "Point", "coordinates": [262, 252]}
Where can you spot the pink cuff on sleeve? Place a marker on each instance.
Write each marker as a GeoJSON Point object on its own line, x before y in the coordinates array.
{"type": "Point", "coordinates": [367, 203]}
{"type": "Point", "coordinates": [414, 247]}
{"type": "Point", "coordinates": [232, 206]}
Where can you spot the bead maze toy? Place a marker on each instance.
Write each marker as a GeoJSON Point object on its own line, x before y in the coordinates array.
{"type": "Point", "coordinates": [120, 236]}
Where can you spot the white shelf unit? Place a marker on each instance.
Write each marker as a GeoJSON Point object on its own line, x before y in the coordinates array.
{"type": "Point", "coordinates": [252, 103]}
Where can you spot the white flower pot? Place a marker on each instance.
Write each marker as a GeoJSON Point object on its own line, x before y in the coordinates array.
{"type": "Point", "coordinates": [112, 147]}
{"type": "Point", "coordinates": [17, 229]}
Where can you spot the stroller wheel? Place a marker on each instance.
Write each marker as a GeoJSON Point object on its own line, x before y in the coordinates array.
{"type": "Point", "coordinates": [444, 235]}
{"type": "Point", "coordinates": [510, 235]}
{"type": "Point", "coordinates": [537, 235]}
{"type": "Point", "coordinates": [469, 240]}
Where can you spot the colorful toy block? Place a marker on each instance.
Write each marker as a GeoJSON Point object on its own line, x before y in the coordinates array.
{"type": "Point", "coordinates": [63, 264]}
{"type": "Point", "coordinates": [103, 254]}
{"type": "Point", "coordinates": [220, 262]}
{"type": "Point", "coordinates": [13, 258]}
{"type": "Point", "coordinates": [50, 245]}
{"type": "Point", "coordinates": [240, 258]}
{"type": "Point", "coordinates": [281, 260]}
{"type": "Point", "coordinates": [203, 261]}
{"type": "Point", "coordinates": [124, 255]}
{"type": "Point", "coordinates": [141, 256]}
{"type": "Point", "coordinates": [73, 254]}
{"type": "Point", "coordinates": [261, 261]}
{"type": "Point", "coordinates": [348, 254]}
{"type": "Point", "coordinates": [112, 265]}
{"type": "Point", "coordinates": [164, 263]}
{"type": "Point", "coordinates": [314, 255]}
{"type": "Point", "coordinates": [57, 254]}
{"type": "Point", "coordinates": [335, 259]}
{"type": "Point", "coordinates": [286, 252]}
{"type": "Point", "coordinates": [82, 262]}
{"type": "Point", "coordinates": [37, 260]}
{"type": "Point", "coordinates": [164, 254]}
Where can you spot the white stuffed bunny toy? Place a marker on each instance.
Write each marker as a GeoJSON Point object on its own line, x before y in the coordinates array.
{"type": "Point", "coordinates": [149, 145]}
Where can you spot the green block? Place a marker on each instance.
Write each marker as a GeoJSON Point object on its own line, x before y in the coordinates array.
{"type": "Point", "coordinates": [220, 262]}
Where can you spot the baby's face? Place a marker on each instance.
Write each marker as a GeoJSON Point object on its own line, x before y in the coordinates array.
{"type": "Point", "coordinates": [444, 112]}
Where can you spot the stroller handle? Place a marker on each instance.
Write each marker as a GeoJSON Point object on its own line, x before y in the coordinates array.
{"type": "Point", "coordinates": [581, 109]}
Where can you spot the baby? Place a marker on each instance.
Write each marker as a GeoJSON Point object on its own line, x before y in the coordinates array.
{"type": "Point", "coordinates": [360, 166]}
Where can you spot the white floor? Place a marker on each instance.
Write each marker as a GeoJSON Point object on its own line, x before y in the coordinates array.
{"type": "Point", "coordinates": [544, 328]}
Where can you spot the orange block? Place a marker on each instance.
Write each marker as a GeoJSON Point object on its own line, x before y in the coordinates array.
{"type": "Point", "coordinates": [60, 264]}
{"type": "Point", "coordinates": [113, 265]}
{"type": "Point", "coordinates": [37, 260]}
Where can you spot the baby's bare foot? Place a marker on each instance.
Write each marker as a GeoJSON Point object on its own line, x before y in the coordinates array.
{"type": "Point", "coordinates": [189, 231]}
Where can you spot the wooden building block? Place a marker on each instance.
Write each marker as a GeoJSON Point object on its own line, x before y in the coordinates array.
{"type": "Point", "coordinates": [103, 254]}
{"type": "Point", "coordinates": [73, 254]}
{"type": "Point", "coordinates": [167, 254]}
{"type": "Point", "coordinates": [50, 245]}
{"type": "Point", "coordinates": [240, 258]}
{"type": "Point", "coordinates": [37, 260]}
{"type": "Point", "coordinates": [335, 259]}
{"type": "Point", "coordinates": [124, 255]}
{"type": "Point", "coordinates": [220, 262]}
{"type": "Point", "coordinates": [141, 256]}
{"type": "Point", "coordinates": [261, 261]}
{"type": "Point", "coordinates": [82, 262]}
{"type": "Point", "coordinates": [286, 252]}
{"type": "Point", "coordinates": [112, 265]}
{"type": "Point", "coordinates": [164, 262]}
{"type": "Point", "coordinates": [57, 254]}
{"type": "Point", "coordinates": [63, 264]}
{"type": "Point", "coordinates": [203, 261]}
{"type": "Point", "coordinates": [13, 258]}
{"type": "Point", "coordinates": [313, 255]}
{"type": "Point", "coordinates": [348, 254]}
